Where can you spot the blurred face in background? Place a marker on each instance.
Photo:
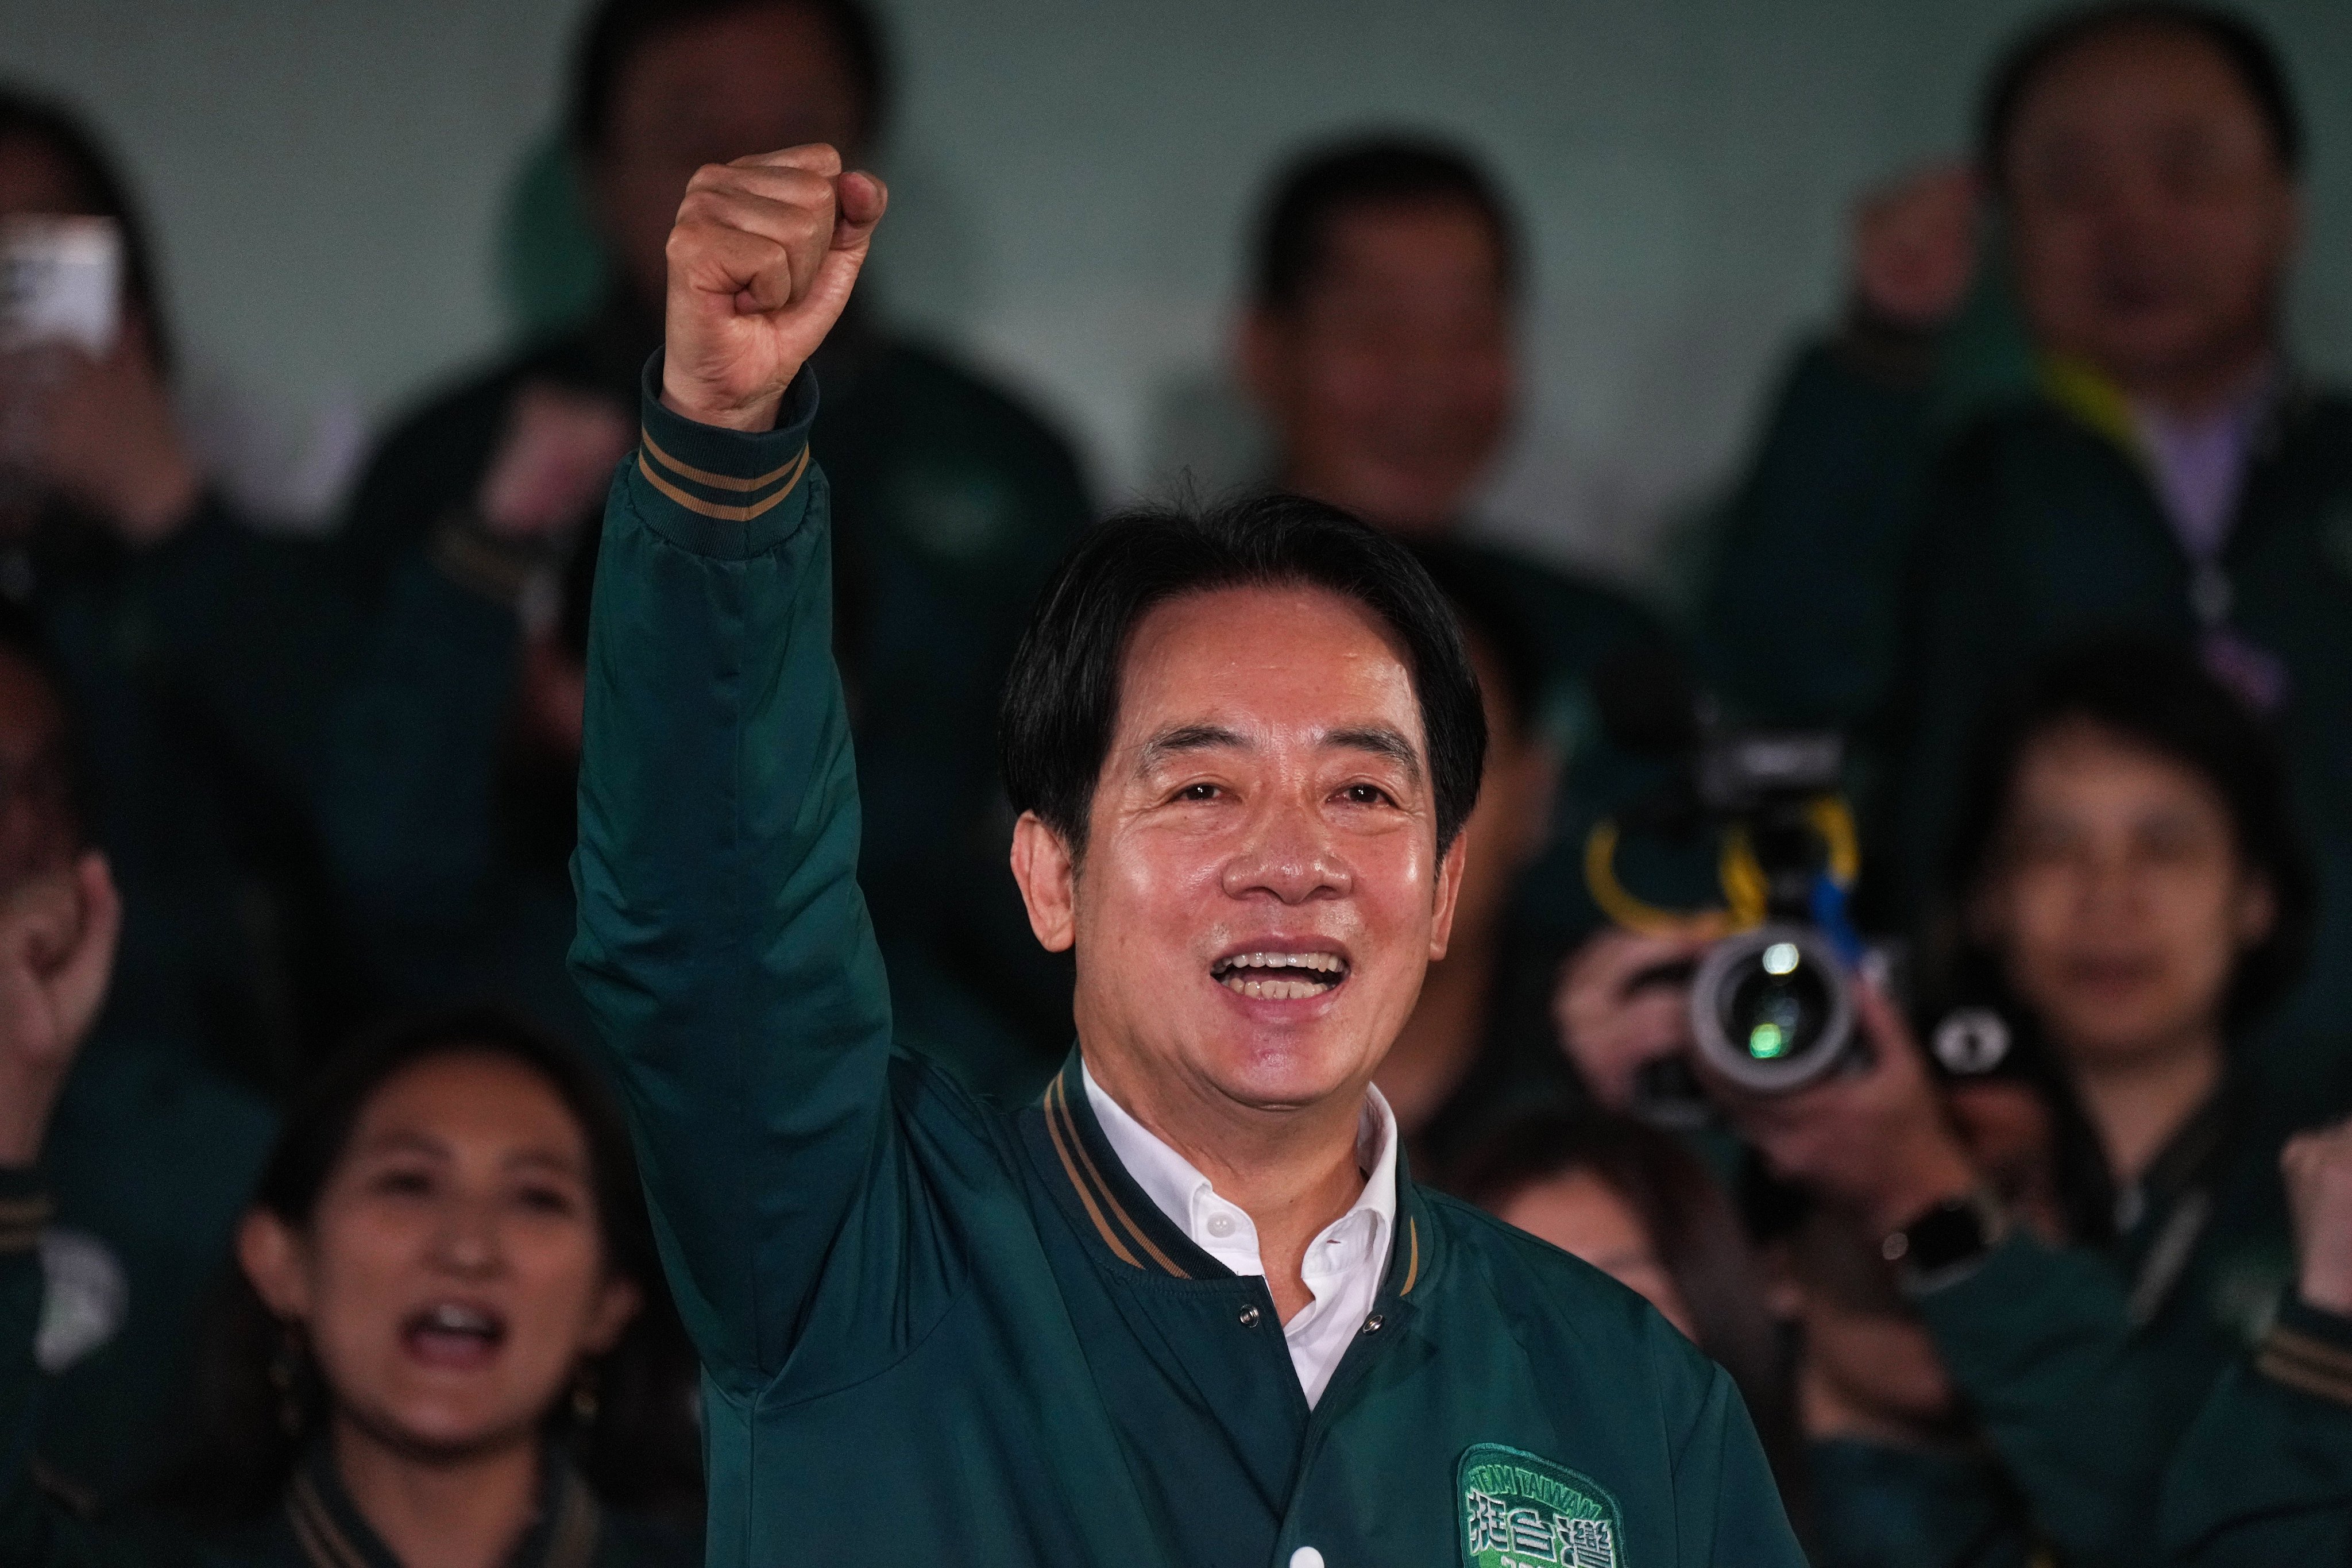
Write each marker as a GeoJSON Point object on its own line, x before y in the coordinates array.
{"type": "Point", "coordinates": [1583, 1216]}
{"type": "Point", "coordinates": [452, 1277]}
{"type": "Point", "coordinates": [2151, 220]}
{"type": "Point", "coordinates": [753, 79]}
{"type": "Point", "coordinates": [1392, 382]}
{"type": "Point", "coordinates": [2118, 903]}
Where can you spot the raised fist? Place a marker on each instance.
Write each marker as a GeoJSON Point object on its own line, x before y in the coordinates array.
{"type": "Point", "coordinates": [762, 261]}
{"type": "Point", "coordinates": [2318, 1171]}
{"type": "Point", "coordinates": [1915, 246]}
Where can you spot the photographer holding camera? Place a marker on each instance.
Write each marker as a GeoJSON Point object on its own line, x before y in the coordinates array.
{"type": "Point", "coordinates": [2131, 901]}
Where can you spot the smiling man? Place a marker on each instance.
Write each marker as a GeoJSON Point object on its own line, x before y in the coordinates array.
{"type": "Point", "coordinates": [1190, 1308]}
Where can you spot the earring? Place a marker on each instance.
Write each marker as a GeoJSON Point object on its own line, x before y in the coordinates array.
{"type": "Point", "coordinates": [285, 1364]}
{"type": "Point", "coordinates": [584, 1397]}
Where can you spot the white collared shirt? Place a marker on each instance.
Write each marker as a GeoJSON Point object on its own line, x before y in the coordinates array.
{"type": "Point", "coordinates": [1344, 1264]}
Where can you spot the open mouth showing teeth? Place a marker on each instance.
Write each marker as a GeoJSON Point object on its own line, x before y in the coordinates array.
{"type": "Point", "coordinates": [452, 1332]}
{"type": "Point", "coordinates": [1280, 977]}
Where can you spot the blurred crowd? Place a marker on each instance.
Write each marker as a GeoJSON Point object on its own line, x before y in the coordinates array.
{"type": "Point", "coordinates": [320, 1244]}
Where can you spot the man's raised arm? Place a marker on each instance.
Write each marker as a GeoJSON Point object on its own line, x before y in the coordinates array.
{"type": "Point", "coordinates": [724, 945]}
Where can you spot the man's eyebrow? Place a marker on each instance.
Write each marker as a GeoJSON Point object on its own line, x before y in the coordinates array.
{"type": "Point", "coordinates": [1183, 737]}
{"type": "Point", "coordinates": [1380, 740]}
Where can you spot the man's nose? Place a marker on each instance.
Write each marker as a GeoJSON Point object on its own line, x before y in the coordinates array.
{"type": "Point", "coordinates": [1290, 854]}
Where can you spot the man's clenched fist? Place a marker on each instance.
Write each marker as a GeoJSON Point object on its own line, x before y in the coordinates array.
{"type": "Point", "coordinates": [761, 260]}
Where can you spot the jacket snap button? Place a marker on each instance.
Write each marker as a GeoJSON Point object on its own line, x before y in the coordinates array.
{"type": "Point", "coordinates": [1249, 1316]}
{"type": "Point", "coordinates": [1307, 1557]}
{"type": "Point", "coordinates": [1373, 1324]}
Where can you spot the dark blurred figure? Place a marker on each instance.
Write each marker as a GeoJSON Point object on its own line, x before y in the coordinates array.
{"type": "Point", "coordinates": [198, 656]}
{"type": "Point", "coordinates": [1637, 1205]}
{"type": "Point", "coordinates": [152, 1147]}
{"type": "Point", "coordinates": [2266, 1475]}
{"type": "Point", "coordinates": [451, 806]}
{"type": "Point", "coordinates": [2132, 903]}
{"type": "Point", "coordinates": [2172, 470]}
{"type": "Point", "coordinates": [1382, 345]}
{"type": "Point", "coordinates": [1478, 1045]}
{"type": "Point", "coordinates": [444, 1339]}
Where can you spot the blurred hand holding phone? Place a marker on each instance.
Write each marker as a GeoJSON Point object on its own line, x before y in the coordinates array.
{"type": "Point", "coordinates": [61, 282]}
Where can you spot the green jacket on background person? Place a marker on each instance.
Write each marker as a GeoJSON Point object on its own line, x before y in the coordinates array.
{"type": "Point", "coordinates": [2266, 1475]}
{"type": "Point", "coordinates": [953, 504]}
{"type": "Point", "coordinates": [1878, 1506]}
{"type": "Point", "coordinates": [2087, 1366]}
{"type": "Point", "coordinates": [195, 674]}
{"type": "Point", "coordinates": [936, 1330]}
{"type": "Point", "coordinates": [1885, 568]}
{"type": "Point", "coordinates": [316, 1525]}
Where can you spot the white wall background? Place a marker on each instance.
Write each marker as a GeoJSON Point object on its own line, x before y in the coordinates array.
{"type": "Point", "coordinates": [1072, 181]}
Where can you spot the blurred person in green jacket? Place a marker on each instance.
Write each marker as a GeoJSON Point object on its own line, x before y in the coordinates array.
{"type": "Point", "coordinates": [1381, 344]}
{"type": "Point", "coordinates": [153, 1145]}
{"type": "Point", "coordinates": [1189, 1305]}
{"type": "Point", "coordinates": [2134, 901]}
{"type": "Point", "coordinates": [198, 655]}
{"type": "Point", "coordinates": [2165, 467]}
{"type": "Point", "coordinates": [2265, 1474]}
{"type": "Point", "coordinates": [449, 803]}
{"type": "Point", "coordinates": [443, 1340]}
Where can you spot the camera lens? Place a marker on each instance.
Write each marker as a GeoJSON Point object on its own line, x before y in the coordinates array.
{"type": "Point", "coordinates": [1770, 1009]}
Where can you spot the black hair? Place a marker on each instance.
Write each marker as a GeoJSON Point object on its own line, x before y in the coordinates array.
{"type": "Point", "coordinates": [1490, 621]}
{"type": "Point", "coordinates": [99, 190]}
{"type": "Point", "coordinates": [1062, 694]}
{"type": "Point", "coordinates": [1691, 1224]}
{"type": "Point", "coordinates": [259, 1402]}
{"type": "Point", "coordinates": [617, 31]}
{"type": "Point", "coordinates": [2241, 44]}
{"type": "Point", "coordinates": [1321, 187]}
{"type": "Point", "coordinates": [2152, 693]}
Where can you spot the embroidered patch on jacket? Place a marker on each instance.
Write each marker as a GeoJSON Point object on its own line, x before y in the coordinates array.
{"type": "Point", "coordinates": [1518, 1510]}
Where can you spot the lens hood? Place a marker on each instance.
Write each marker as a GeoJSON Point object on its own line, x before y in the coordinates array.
{"type": "Point", "coordinates": [1770, 1008]}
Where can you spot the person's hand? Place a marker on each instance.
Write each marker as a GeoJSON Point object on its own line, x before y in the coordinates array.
{"type": "Point", "coordinates": [2318, 1170]}
{"type": "Point", "coordinates": [1876, 1144]}
{"type": "Point", "coordinates": [1915, 246]}
{"type": "Point", "coordinates": [1614, 1016]}
{"type": "Point", "coordinates": [101, 432]}
{"type": "Point", "coordinates": [57, 936]}
{"type": "Point", "coordinates": [762, 261]}
{"type": "Point", "coordinates": [553, 462]}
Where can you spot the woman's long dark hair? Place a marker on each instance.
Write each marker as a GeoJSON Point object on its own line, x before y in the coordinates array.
{"type": "Point", "coordinates": [259, 1401]}
{"type": "Point", "coordinates": [1696, 1231]}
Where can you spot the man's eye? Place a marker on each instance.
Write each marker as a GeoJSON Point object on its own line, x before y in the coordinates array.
{"type": "Point", "coordinates": [1198, 792]}
{"type": "Point", "coordinates": [1365, 795]}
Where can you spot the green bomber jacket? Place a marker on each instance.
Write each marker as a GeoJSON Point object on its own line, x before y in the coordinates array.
{"type": "Point", "coordinates": [935, 1328]}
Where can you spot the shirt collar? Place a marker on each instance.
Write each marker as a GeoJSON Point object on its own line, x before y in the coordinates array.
{"type": "Point", "coordinates": [1176, 1187]}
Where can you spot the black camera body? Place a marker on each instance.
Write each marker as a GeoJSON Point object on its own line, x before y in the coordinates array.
{"type": "Point", "coordinates": [1771, 1008]}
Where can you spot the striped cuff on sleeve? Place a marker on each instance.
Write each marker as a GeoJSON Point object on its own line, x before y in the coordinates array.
{"type": "Point", "coordinates": [734, 492]}
{"type": "Point", "coordinates": [2309, 1351]}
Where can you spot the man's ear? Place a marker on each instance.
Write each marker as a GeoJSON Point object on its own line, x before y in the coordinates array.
{"type": "Point", "coordinates": [1449, 888]}
{"type": "Point", "coordinates": [272, 1257]}
{"type": "Point", "coordinates": [1049, 875]}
